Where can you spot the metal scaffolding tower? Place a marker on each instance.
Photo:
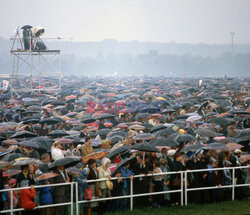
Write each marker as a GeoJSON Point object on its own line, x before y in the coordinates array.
{"type": "Point", "coordinates": [34, 67]}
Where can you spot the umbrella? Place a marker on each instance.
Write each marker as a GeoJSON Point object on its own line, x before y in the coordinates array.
{"type": "Point", "coordinates": [23, 134]}
{"type": "Point", "coordinates": [32, 144]}
{"type": "Point", "coordinates": [192, 148]}
{"type": "Point", "coordinates": [157, 128]}
{"type": "Point", "coordinates": [137, 127]}
{"type": "Point", "coordinates": [95, 156]}
{"type": "Point", "coordinates": [144, 136]}
{"type": "Point", "coordinates": [44, 141]}
{"type": "Point", "coordinates": [145, 147]}
{"type": "Point", "coordinates": [181, 137]}
{"type": "Point", "coordinates": [11, 172]}
{"type": "Point", "coordinates": [66, 162]}
{"type": "Point", "coordinates": [88, 119]}
{"type": "Point", "coordinates": [220, 121]}
{"type": "Point", "coordinates": [12, 156]}
{"type": "Point", "coordinates": [26, 161]}
{"type": "Point", "coordinates": [193, 119]}
{"type": "Point", "coordinates": [123, 125]}
{"type": "Point", "coordinates": [57, 103]}
{"type": "Point", "coordinates": [46, 176]}
{"type": "Point", "coordinates": [244, 158]}
{"type": "Point", "coordinates": [104, 131]}
{"type": "Point", "coordinates": [202, 105]}
{"type": "Point", "coordinates": [105, 116]}
{"type": "Point", "coordinates": [4, 164]}
{"type": "Point", "coordinates": [233, 146]}
{"type": "Point", "coordinates": [31, 121]}
{"type": "Point", "coordinates": [206, 132]}
{"type": "Point", "coordinates": [50, 121]}
{"type": "Point", "coordinates": [122, 163]}
{"type": "Point", "coordinates": [216, 146]}
{"type": "Point", "coordinates": [4, 151]}
{"type": "Point", "coordinates": [58, 133]}
{"type": "Point", "coordinates": [161, 141]}
{"type": "Point", "coordinates": [166, 131]}
{"type": "Point", "coordinates": [142, 116]}
{"type": "Point", "coordinates": [116, 151]}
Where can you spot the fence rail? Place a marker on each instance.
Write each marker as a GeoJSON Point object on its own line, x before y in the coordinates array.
{"type": "Point", "coordinates": [183, 190]}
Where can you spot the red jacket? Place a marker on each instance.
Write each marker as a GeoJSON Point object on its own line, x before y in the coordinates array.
{"type": "Point", "coordinates": [26, 199]}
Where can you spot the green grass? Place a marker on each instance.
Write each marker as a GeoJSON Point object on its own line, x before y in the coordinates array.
{"type": "Point", "coordinates": [227, 208]}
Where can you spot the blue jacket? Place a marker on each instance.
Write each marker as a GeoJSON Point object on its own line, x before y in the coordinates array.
{"type": "Point", "coordinates": [83, 175]}
{"type": "Point", "coordinates": [46, 195]}
{"type": "Point", "coordinates": [125, 173]}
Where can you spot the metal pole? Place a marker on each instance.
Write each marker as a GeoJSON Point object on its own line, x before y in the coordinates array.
{"type": "Point", "coordinates": [72, 200]}
{"type": "Point", "coordinates": [11, 202]}
{"type": "Point", "coordinates": [77, 206]}
{"type": "Point", "coordinates": [233, 181]}
{"type": "Point", "coordinates": [186, 200]}
{"type": "Point", "coordinates": [181, 188]}
{"type": "Point", "coordinates": [131, 195]}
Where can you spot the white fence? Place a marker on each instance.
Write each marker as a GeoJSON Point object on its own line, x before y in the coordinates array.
{"type": "Point", "coordinates": [183, 190]}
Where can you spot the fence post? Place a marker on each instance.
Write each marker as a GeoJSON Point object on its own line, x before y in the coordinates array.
{"type": "Point", "coordinates": [186, 199]}
{"type": "Point", "coordinates": [233, 181]}
{"type": "Point", "coordinates": [71, 199]}
{"type": "Point", "coordinates": [131, 194]}
{"type": "Point", "coordinates": [77, 206]}
{"type": "Point", "coordinates": [181, 187]}
{"type": "Point", "coordinates": [11, 202]}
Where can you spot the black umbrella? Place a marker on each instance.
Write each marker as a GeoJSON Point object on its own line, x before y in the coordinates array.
{"type": "Point", "coordinates": [202, 105]}
{"type": "Point", "coordinates": [117, 151]}
{"type": "Point", "coordinates": [161, 141]}
{"type": "Point", "coordinates": [58, 133]}
{"type": "Point", "coordinates": [12, 156]}
{"type": "Point", "coordinates": [66, 162]}
{"type": "Point", "coordinates": [34, 121]}
{"type": "Point", "coordinates": [32, 144]}
{"type": "Point", "coordinates": [220, 121]}
{"type": "Point", "coordinates": [57, 103]}
{"type": "Point", "coordinates": [166, 131]}
{"type": "Point", "coordinates": [147, 147]}
{"type": "Point", "coordinates": [103, 132]}
{"type": "Point", "coordinates": [88, 119]}
{"type": "Point", "coordinates": [157, 128]}
{"type": "Point", "coordinates": [43, 141]}
{"type": "Point", "coordinates": [181, 137]}
{"type": "Point", "coordinates": [122, 163]}
{"type": "Point", "coordinates": [105, 116]}
{"type": "Point", "coordinates": [50, 121]}
{"type": "Point", "coordinates": [23, 134]}
{"type": "Point", "coordinates": [193, 148]}
{"type": "Point", "coordinates": [142, 115]}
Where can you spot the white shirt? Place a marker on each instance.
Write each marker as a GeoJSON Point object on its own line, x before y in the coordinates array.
{"type": "Point", "coordinates": [56, 153]}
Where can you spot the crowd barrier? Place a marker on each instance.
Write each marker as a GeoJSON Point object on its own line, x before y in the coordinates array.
{"type": "Point", "coordinates": [183, 190]}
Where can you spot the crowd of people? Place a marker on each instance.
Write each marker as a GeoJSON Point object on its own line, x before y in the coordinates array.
{"type": "Point", "coordinates": [124, 128]}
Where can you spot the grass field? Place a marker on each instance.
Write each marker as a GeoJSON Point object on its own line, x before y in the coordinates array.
{"type": "Point", "coordinates": [227, 208]}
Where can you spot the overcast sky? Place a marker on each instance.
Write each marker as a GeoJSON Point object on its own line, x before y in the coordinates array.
{"type": "Point", "coordinates": [181, 21]}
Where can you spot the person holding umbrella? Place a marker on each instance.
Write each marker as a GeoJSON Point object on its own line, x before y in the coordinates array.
{"type": "Point", "coordinates": [56, 151]}
{"type": "Point", "coordinates": [87, 148]}
{"type": "Point", "coordinates": [60, 192]}
{"type": "Point", "coordinates": [25, 175]}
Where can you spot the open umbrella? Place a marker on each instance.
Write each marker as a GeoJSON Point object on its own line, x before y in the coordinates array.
{"type": "Point", "coordinates": [206, 132]}
{"type": "Point", "coordinates": [116, 151]}
{"type": "Point", "coordinates": [88, 119]}
{"type": "Point", "coordinates": [32, 144]}
{"type": "Point", "coordinates": [12, 156]}
{"type": "Point", "coordinates": [193, 119]}
{"type": "Point", "coordinates": [157, 128]}
{"type": "Point", "coordinates": [58, 133]}
{"type": "Point", "coordinates": [144, 136]}
{"type": "Point", "coordinates": [50, 121]}
{"type": "Point", "coordinates": [95, 156]}
{"type": "Point", "coordinates": [233, 146]}
{"type": "Point", "coordinates": [5, 164]}
{"type": "Point", "coordinates": [23, 134]}
{"type": "Point", "coordinates": [122, 163]}
{"type": "Point", "coordinates": [11, 172]}
{"type": "Point", "coordinates": [137, 127]}
{"type": "Point", "coordinates": [46, 176]}
{"type": "Point", "coordinates": [216, 146]}
{"type": "Point", "coordinates": [161, 141]}
{"type": "Point", "coordinates": [181, 137]}
{"type": "Point", "coordinates": [244, 158]}
{"type": "Point", "coordinates": [220, 121]}
{"type": "Point", "coordinates": [192, 147]}
{"type": "Point", "coordinates": [147, 147]}
{"type": "Point", "coordinates": [66, 162]}
{"type": "Point", "coordinates": [103, 132]}
{"type": "Point", "coordinates": [26, 161]}
{"type": "Point", "coordinates": [105, 116]}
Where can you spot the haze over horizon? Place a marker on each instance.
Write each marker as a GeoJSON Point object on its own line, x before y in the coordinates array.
{"type": "Point", "coordinates": [163, 21]}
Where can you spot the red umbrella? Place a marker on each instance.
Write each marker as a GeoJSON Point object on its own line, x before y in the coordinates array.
{"type": "Point", "coordinates": [46, 176]}
{"type": "Point", "coordinates": [244, 158]}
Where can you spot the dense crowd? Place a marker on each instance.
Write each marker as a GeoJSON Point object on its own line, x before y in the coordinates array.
{"type": "Point", "coordinates": [124, 128]}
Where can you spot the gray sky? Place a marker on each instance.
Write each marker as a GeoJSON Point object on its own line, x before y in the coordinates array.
{"type": "Point", "coordinates": [188, 21]}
